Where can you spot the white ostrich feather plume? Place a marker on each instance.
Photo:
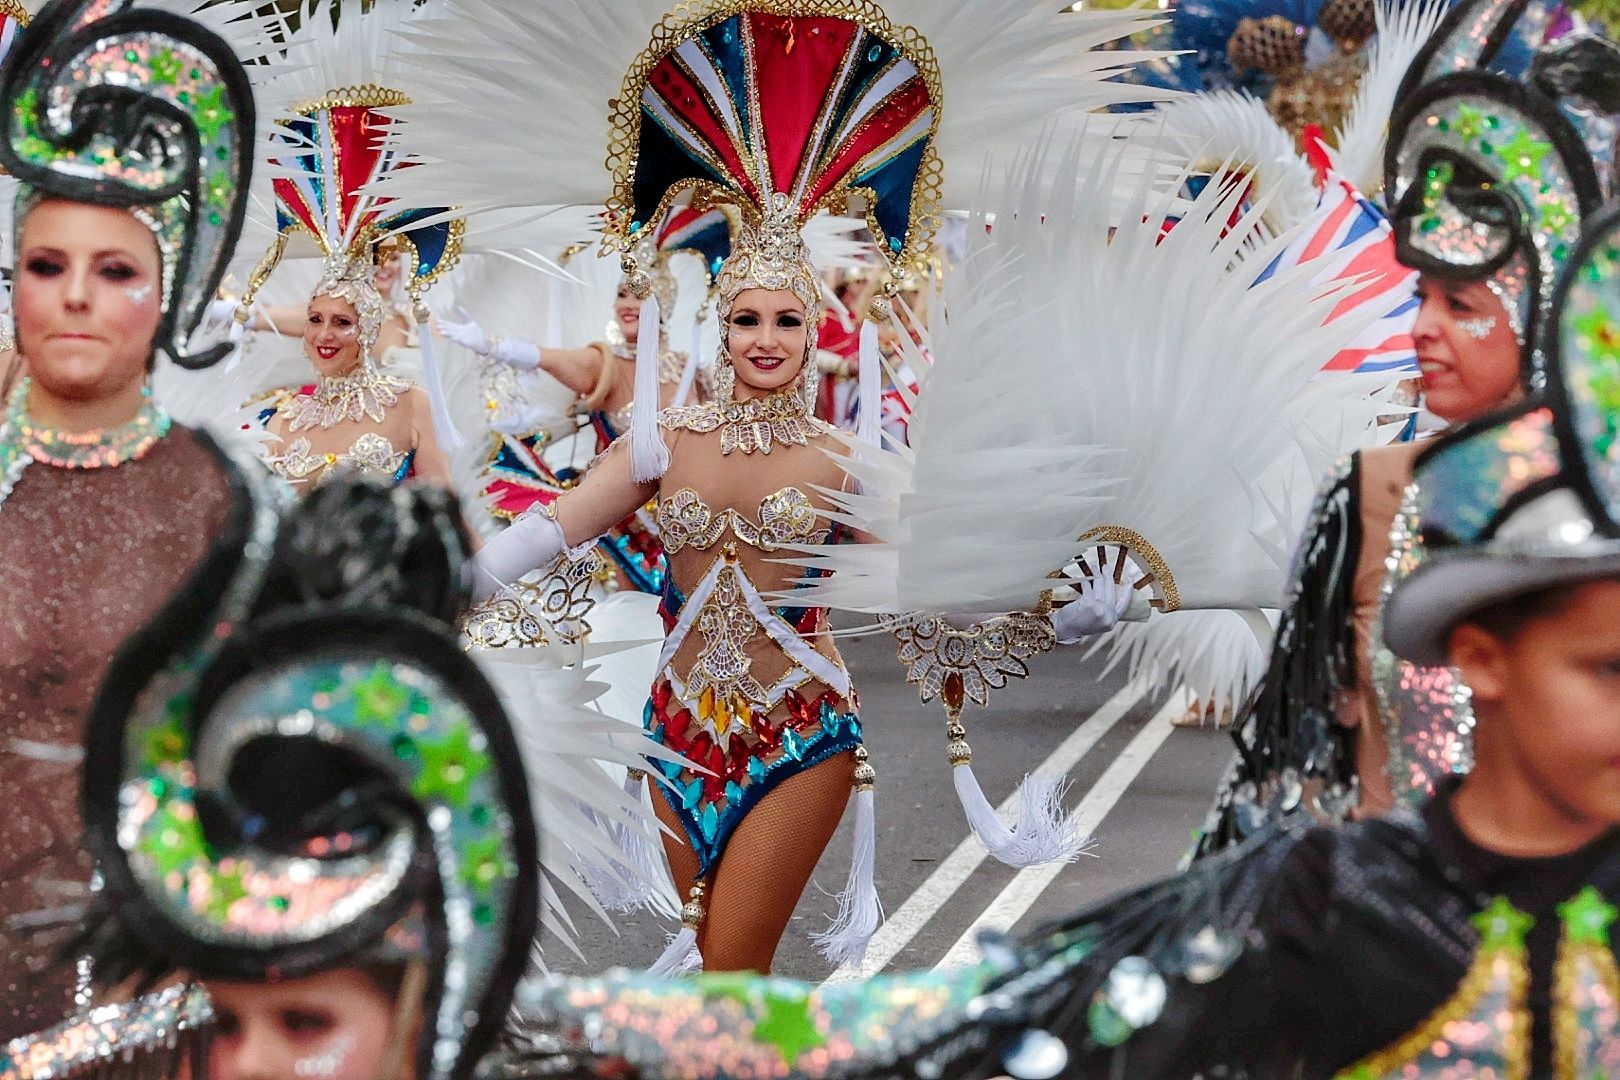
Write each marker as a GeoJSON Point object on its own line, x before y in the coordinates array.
{"type": "Point", "coordinates": [517, 113]}
{"type": "Point", "coordinates": [1225, 126]}
{"type": "Point", "coordinates": [1088, 376]}
{"type": "Point", "coordinates": [1403, 28]}
{"type": "Point", "coordinates": [565, 741]}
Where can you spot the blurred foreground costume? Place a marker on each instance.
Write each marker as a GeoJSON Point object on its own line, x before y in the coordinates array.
{"type": "Point", "coordinates": [98, 528]}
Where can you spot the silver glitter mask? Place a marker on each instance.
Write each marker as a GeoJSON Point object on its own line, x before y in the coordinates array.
{"type": "Point", "coordinates": [118, 105]}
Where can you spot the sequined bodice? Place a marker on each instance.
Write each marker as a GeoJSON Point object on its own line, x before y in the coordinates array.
{"type": "Point", "coordinates": [370, 453]}
{"type": "Point", "coordinates": [786, 516]}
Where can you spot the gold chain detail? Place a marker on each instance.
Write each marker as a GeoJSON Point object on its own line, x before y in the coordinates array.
{"type": "Point", "coordinates": [1164, 582]}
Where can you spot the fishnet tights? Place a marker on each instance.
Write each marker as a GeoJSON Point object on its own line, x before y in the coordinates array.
{"type": "Point", "coordinates": [755, 886]}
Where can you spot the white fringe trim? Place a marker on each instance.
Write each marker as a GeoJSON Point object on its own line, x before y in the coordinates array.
{"type": "Point", "coordinates": [649, 457]}
{"type": "Point", "coordinates": [680, 956]}
{"type": "Point", "coordinates": [859, 908]}
{"type": "Point", "coordinates": [1044, 832]}
{"type": "Point", "coordinates": [449, 437]}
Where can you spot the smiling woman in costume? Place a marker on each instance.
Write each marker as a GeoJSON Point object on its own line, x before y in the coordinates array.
{"type": "Point", "coordinates": [105, 504]}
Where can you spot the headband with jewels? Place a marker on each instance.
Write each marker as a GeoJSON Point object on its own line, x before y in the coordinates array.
{"type": "Point", "coordinates": [1530, 498]}
{"type": "Point", "coordinates": [301, 769]}
{"type": "Point", "coordinates": [127, 106]}
{"type": "Point", "coordinates": [781, 108]}
{"type": "Point", "coordinates": [1487, 179]}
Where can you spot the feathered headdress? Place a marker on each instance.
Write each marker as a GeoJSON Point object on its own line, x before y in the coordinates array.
{"type": "Point", "coordinates": [329, 147]}
{"type": "Point", "coordinates": [127, 106]}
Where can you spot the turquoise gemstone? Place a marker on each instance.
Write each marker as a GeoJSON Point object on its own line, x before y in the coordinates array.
{"type": "Point", "coordinates": [692, 795]}
{"type": "Point", "coordinates": [734, 793]}
{"type": "Point", "coordinates": [756, 769]}
{"type": "Point", "coordinates": [709, 822]}
{"type": "Point", "coordinates": [793, 744]}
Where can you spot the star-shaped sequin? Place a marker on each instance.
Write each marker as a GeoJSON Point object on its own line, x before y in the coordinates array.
{"type": "Point", "coordinates": [1556, 215]}
{"type": "Point", "coordinates": [1502, 926]}
{"type": "Point", "coordinates": [1599, 335]}
{"type": "Point", "coordinates": [1587, 917]}
{"type": "Point", "coordinates": [449, 768]}
{"type": "Point", "coordinates": [785, 1019]}
{"type": "Point", "coordinates": [1522, 156]}
{"type": "Point", "coordinates": [1470, 122]}
{"type": "Point", "coordinates": [172, 841]}
{"type": "Point", "coordinates": [212, 114]}
{"type": "Point", "coordinates": [484, 862]}
{"type": "Point", "coordinates": [166, 67]}
{"type": "Point", "coordinates": [379, 698]}
{"type": "Point", "coordinates": [225, 890]}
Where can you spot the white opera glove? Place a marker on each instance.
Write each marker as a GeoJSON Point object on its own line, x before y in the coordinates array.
{"type": "Point", "coordinates": [218, 314]}
{"type": "Point", "coordinates": [524, 355]}
{"type": "Point", "coordinates": [1100, 604]}
{"type": "Point", "coordinates": [532, 541]}
{"type": "Point", "coordinates": [468, 334]}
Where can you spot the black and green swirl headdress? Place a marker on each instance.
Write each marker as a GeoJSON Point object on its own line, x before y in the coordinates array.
{"type": "Point", "coordinates": [295, 767]}
{"type": "Point", "coordinates": [1487, 179]}
{"type": "Point", "coordinates": [109, 103]}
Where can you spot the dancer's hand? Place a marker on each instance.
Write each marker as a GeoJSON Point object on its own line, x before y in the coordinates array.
{"type": "Point", "coordinates": [468, 334]}
{"type": "Point", "coordinates": [1102, 601]}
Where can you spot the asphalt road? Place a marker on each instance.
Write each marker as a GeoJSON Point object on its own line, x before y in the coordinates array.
{"type": "Point", "coordinates": [1138, 785]}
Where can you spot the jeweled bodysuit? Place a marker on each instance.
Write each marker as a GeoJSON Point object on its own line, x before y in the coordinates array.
{"type": "Point", "coordinates": [754, 692]}
{"type": "Point", "coordinates": [370, 453]}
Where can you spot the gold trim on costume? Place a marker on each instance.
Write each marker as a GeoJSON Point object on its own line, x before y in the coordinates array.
{"type": "Point", "coordinates": [1163, 583]}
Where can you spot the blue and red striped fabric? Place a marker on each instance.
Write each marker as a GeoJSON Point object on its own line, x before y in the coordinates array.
{"type": "Point", "coordinates": [1354, 242]}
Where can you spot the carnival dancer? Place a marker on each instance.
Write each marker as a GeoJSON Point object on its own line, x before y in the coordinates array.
{"type": "Point", "coordinates": [1337, 711]}
{"type": "Point", "coordinates": [355, 414]}
{"type": "Point", "coordinates": [753, 690]}
{"type": "Point", "coordinates": [1474, 936]}
{"type": "Point", "coordinates": [603, 375]}
{"type": "Point", "coordinates": [106, 504]}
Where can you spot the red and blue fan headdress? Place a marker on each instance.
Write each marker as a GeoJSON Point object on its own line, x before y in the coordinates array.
{"type": "Point", "coordinates": [781, 109]}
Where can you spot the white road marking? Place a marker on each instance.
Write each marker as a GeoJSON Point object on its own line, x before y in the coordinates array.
{"type": "Point", "coordinates": [1026, 887]}
{"type": "Point", "coordinates": [922, 905]}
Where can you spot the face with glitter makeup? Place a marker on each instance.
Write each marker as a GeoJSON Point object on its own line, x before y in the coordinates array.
{"type": "Point", "coordinates": [627, 310]}
{"type": "Point", "coordinates": [1466, 349]}
{"type": "Point", "coordinates": [767, 337]}
{"type": "Point", "coordinates": [87, 301]}
{"type": "Point", "coordinates": [332, 336]}
{"type": "Point", "coordinates": [334, 1025]}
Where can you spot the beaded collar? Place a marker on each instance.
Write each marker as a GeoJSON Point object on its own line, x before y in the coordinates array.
{"type": "Point", "coordinates": [22, 441]}
{"type": "Point", "coordinates": [756, 424]}
{"type": "Point", "coordinates": [368, 393]}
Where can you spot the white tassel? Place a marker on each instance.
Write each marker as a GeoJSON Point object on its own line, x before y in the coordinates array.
{"type": "Point", "coordinates": [680, 956]}
{"type": "Point", "coordinates": [859, 909]}
{"type": "Point", "coordinates": [689, 372]}
{"type": "Point", "coordinates": [1044, 832]}
{"type": "Point", "coordinates": [449, 437]}
{"type": "Point", "coordinates": [649, 457]}
{"type": "Point", "coordinates": [870, 428]}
